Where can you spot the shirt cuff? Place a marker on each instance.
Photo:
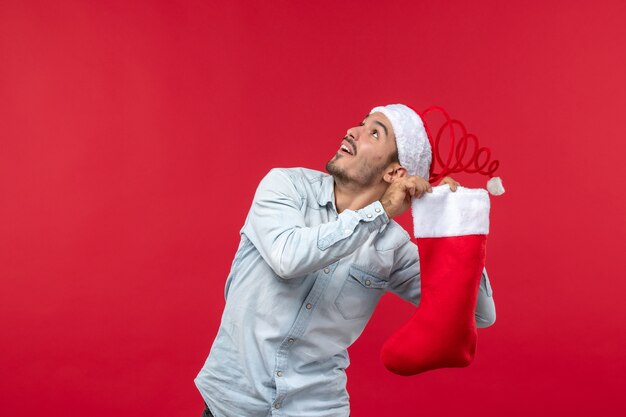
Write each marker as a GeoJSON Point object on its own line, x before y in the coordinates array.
{"type": "Point", "coordinates": [373, 217]}
{"type": "Point", "coordinates": [374, 214]}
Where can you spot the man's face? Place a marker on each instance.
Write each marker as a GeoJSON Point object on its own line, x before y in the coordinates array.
{"type": "Point", "coordinates": [365, 152]}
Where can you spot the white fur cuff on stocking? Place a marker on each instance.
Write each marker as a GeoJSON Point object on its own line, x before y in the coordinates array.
{"type": "Point", "coordinates": [445, 213]}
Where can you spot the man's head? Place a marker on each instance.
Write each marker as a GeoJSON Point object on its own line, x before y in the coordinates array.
{"type": "Point", "coordinates": [391, 141]}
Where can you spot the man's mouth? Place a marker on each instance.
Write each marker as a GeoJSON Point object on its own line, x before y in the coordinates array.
{"type": "Point", "coordinates": [347, 147]}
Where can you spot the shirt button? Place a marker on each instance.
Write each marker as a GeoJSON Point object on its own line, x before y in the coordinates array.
{"type": "Point", "coordinates": [369, 216]}
{"type": "Point", "coordinates": [277, 405]}
{"type": "Point", "coordinates": [279, 373]}
{"type": "Point", "coordinates": [368, 282]}
{"type": "Point", "coordinates": [309, 306]}
{"type": "Point", "coordinates": [377, 210]}
{"type": "Point", "coordinates": [326, 270]}
{"type": "Point", "coordinates": [291, 340]}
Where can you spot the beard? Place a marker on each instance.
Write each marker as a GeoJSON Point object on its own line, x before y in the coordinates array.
{"type": "Point", "coordinates": [366, 176]}
{"type": "Point", "coordinates": [338, 173]}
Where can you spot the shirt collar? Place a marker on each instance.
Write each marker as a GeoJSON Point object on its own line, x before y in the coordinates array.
{"type": "Point", "coordinates": [327, 195]}
{"type": "Point", "coordinates": [327, 191]}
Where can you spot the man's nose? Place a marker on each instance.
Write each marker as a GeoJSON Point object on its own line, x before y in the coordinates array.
{"type": "Point", "coordinates": [354, 132]}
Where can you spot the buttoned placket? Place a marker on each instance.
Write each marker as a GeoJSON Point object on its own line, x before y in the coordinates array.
{"type": "Point", "coordinates": [304, 315]}
{"type": "Point", "coordinates": [296, 332]}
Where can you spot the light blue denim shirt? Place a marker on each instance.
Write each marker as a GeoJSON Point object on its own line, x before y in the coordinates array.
{"type": "Point", "coordinates": [304, 282]}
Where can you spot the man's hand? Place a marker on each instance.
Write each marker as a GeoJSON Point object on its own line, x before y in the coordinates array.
{"type": "Point", "coordinates": [450, 181]}
{"type": "Point", "coordinates": [397, 198]}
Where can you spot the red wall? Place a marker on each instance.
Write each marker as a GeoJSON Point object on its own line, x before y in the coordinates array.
{"type": "Point", "coordinates": [133, 135]}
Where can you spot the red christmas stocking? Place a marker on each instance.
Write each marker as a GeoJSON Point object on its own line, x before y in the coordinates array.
{"type": "Point", "coordinates": [451, 230]}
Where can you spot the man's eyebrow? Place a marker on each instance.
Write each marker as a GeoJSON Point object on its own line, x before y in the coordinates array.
{"type": "Point", "coordinates": [383, 126]}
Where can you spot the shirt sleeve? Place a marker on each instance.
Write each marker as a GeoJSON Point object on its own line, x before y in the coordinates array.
{"type": "Point", "coordinates": [404, 281]}
{"type": "Point", "coordinates": [277, 227]}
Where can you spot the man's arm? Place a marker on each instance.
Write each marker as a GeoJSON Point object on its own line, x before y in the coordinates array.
{"type": "Point", "coordinates": [277, 228]}
{"type": "Point", "coordinates": [485, 305]}
{"type": "Point", "coordinates": [405, 282]}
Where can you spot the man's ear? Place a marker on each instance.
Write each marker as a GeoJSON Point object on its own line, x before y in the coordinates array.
{"type": "Point", "coordinates": [393, 172]}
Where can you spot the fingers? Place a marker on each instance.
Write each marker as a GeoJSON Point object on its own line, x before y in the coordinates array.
{"type": "Point", "coordinates": [417, 186]}
{"type": "Point", "coordinates": [425, 188]}
{"type": "Point", "coordinates": [451, 182]}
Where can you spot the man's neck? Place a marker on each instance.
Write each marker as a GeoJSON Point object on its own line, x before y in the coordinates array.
{"type": "Point", "coordinates": [354, 197]}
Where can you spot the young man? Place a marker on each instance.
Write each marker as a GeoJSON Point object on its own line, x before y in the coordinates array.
{"type": "Point", "coordinates": [317, 252]}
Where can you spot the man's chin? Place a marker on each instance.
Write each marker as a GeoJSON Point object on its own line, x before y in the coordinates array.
{"type": "Point", "coordinates": [338, 173]}
{"type": "Point", "coordinates": [331, 161]}
{"type": "Point", "coordinates": [331, 167]}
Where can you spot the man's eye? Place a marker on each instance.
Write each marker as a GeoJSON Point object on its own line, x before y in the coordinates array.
{"type": "Point", "coordinates": [375, 133]}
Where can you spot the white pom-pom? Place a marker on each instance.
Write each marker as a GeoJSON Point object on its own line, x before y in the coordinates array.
{"type": "Point", "coordinates": [494, 186]}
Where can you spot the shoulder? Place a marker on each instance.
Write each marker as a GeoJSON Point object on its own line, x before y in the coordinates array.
{"type": "Point", "coordinates": [299, 174]}
{"type": "Point", "coordinates": [305, 180]}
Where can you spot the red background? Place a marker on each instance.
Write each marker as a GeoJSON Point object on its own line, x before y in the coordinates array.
{"type": "Point", "coordinates": [133, 135]}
